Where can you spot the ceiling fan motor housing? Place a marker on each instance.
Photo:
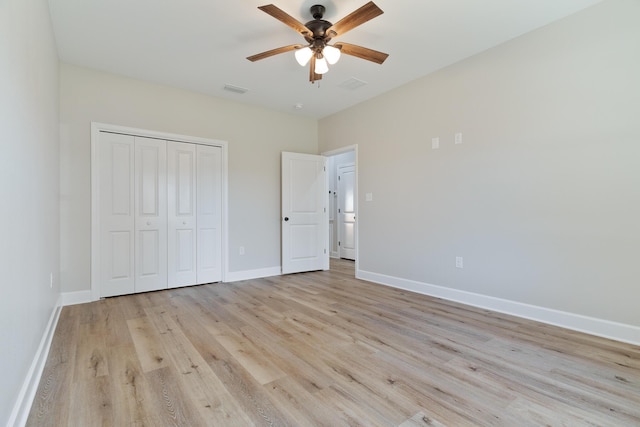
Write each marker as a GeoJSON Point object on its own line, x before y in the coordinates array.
{"type": "Point", "coordinates": [318, 26]}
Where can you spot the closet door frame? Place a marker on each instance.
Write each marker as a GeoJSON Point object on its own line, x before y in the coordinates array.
{"type": "Point", "coordinates": [96, 129]}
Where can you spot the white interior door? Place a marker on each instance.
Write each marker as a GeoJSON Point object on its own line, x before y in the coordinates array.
{"type": "Point", "coordinates": [346, 212]}
{"type": "Point", "coordinates": [305, 231]}
{"type": "Point", "coordinates": [151, 214]}
{"type": "Point", "coordinates": [116, 212]}
{"type": "Point", "coordinates": [209, 217]}
{"type": "Point", "coordinates": [181, 201]}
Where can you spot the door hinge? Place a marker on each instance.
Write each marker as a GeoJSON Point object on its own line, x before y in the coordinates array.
{"type": "Point", "coordinates": [338, 177]}
{"type": "Point", "coordinates": [324, 168]}
{"type": "Point", "coordinates": [339, 211]}
{"type": "Point", "coordinates": [338, 243]}
{"type": "Point", "coordinates": [325, 210]}
{"type": "Point", "coordinates": [325, 251]}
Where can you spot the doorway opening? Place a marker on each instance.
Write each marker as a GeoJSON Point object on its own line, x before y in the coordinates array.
{"type": "Point", "coordinates": [342, 170]}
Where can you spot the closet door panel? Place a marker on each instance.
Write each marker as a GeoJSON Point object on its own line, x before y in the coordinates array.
{"type": "Point", "coordinates": [116, 214]}
{"type": "Point", "coordinates": [209, 214]}
{"type": "Point", "coordinates": [119, 250]}
{"type": "Point", "coordinates": [151, 214]}
{"type": "Point", "coordinates": [181, 191]}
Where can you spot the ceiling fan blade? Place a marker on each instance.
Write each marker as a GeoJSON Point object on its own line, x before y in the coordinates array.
{"type": "Point", "coordinates": [355, 18]}
{"type": "Point", "coordinates": [272, 52]}
{"type": "Point", "coordinates": [287, 19]}
{"type": "Point", "coordinates": [362, 52]}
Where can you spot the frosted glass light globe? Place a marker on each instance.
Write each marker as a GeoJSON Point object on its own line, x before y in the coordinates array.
{"type": "Point", "coordinates": [321, 66]}
{"type": "Point", "coordinates": [331, 54]}
{"type": "Point", "coordinates": [303, 55]}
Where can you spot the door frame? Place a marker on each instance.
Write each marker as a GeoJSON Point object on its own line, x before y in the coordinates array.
{"type": "Point", "coordinates": [342, 150]}
{"type": "Point", "coordinates": [96, 128]}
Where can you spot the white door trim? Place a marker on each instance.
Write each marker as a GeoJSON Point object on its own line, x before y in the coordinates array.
{"type": "Point", "coordinates": [96, 128]}
{"type": "Point", "coordinates": [342, 150]}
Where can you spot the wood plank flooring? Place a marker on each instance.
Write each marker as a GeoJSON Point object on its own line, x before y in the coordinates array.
{"type": "Point", "coordinates": [325, 349]}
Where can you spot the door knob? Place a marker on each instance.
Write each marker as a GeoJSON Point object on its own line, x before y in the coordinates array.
{"type": "Point", "coordinates": [184, 222]}
{"type": "Point", "coordinates": [148, 222]}
{"type": "Point", "coordinates": [286, 218]}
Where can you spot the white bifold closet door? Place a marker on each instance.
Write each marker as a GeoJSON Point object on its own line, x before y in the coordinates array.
{"type": "Point", "coordinates": [194, 187]}
{"type": "Point", "coordinates": [160, 214]}
{"type": "Point", "coordinates": [150, 214]}
{"type": "Point", "coordinates": [115, 207]}
{"type": "Point", "coordinates": [181, 190]}
{"type": "Point", "coordinates": [209, 208]}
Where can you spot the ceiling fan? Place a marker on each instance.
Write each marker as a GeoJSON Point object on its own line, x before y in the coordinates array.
{"type": "Point", "coordinates": [318, 33]}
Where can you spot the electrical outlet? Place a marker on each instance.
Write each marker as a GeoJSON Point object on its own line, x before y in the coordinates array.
{"type": "Point", "coordinates": [458, 138]}
{"type": "Point", "coordinates": [368, 197]}
{"type": "Point", "coordinates": [241, 250]}
{"type": "Point", "coordinates": [435, 143]}
{"type": "Point", "coordinates": [459, 263]}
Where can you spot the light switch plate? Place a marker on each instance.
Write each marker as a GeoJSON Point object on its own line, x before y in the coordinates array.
{"type": "Point", "coordinates": [368, 197]}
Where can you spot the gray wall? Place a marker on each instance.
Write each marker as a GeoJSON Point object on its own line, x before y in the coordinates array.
{"type": "Point", "coordinates": [256, 137]}
{"type": "Point", "coordinates": [29, 244]}
{"type": "Point", "coordinates": [542, 198]}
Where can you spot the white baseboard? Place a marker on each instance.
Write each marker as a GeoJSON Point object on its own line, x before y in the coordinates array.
{"type": "Point", "coordinates": [577, 322]}
{"type": "Point", "coordinates": [78, 297]}
{"type": "Point", "coordinates": [235, 276]}
{"type": "Point", "coordinates": [20, 413]}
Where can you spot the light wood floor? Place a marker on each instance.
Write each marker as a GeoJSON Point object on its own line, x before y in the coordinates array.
{"type": "Point", "coordinates": [325, 349]}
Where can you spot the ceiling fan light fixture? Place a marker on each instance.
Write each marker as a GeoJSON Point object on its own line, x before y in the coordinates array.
{"type": "Point", "coordinates": [321, 66]}
{"type": "Point", "coordinates": [303, 55]}
{"type": "Point", "coordinates": [331, 54]}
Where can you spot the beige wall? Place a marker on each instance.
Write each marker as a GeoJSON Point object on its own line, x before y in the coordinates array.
{"type": "Point", "coordinates": [29, 245]}
{"type": "Point", "coordinates": [256, 137]}
{"type": "Point", "coordinates": [542, 198]}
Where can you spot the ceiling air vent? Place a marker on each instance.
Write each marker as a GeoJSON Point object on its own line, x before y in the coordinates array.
{"type": "Point", "coordinates": [352, 84]}
{"type": "Point", "coordinates": [235, 89]}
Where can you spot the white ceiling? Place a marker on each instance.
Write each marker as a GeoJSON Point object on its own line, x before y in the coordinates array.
{"type": "Point", "coordinates": [201, 45]}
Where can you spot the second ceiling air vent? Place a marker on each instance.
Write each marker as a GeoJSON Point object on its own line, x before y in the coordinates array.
{"type": "Point", "coordinates": [235, 89]}
{"type": "Point", "coordinates": [352, 84]}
